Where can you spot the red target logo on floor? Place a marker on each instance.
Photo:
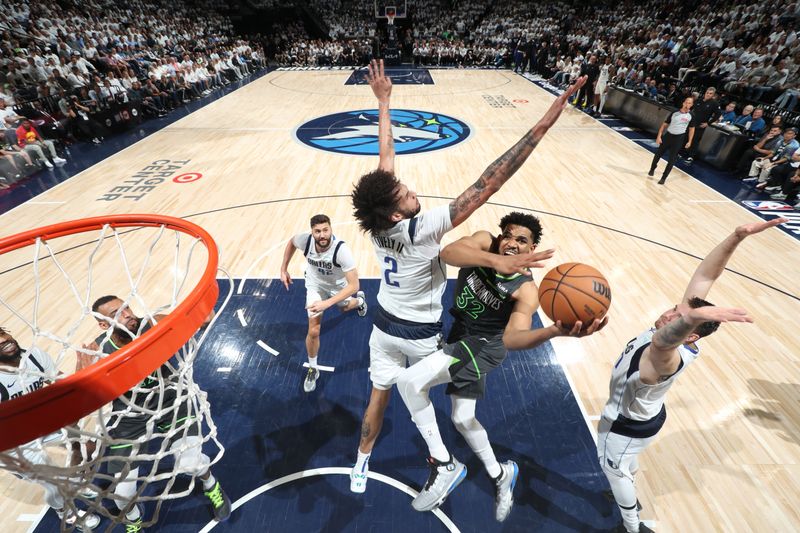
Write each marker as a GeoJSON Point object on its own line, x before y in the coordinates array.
{"type": "Point", "coordinates": [188, 177]}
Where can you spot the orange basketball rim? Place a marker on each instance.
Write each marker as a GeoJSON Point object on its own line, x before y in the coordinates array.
{"type": "Point", "coordinates": [67, 400]}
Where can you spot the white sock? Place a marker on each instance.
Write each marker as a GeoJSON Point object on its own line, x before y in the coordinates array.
{"type": "Point", "coordinates": [489, 461]}
{"type": "Point", "coordinates": [126, 490]}
{"type": "Point", "coordinates": [437, 449]}
{"type": "Point", "coordinates": [312, 361]}
{"type": "Point", "coordinates": [209, 482]}
{"type": "Point", "coordinates": [362, 461]}
{"type": "Point", "coordinates": [474, 433]}
{"type": "Point", "coordinates": [134, 514]}
{"type": "Point", "coordinates": [625, 496]}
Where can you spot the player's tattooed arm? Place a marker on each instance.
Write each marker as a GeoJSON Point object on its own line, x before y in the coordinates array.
{"type": "Point", "coordinates": [501, 170]}
{"type": "Point", "coordinates": [673, 334]}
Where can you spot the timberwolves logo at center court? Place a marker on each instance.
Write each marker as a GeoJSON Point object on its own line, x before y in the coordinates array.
{"type": "Point", "coordinates": [356, 132]}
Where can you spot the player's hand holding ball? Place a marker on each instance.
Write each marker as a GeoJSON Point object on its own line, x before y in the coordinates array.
{"type": "Point", "coordinates": [575, 295]}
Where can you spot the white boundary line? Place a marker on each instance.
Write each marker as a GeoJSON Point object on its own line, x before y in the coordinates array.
{"type": "Point", "coordinates": [562, 363]}
{"type": "Point", "coordinates": [240, 314]}
{"type": "Point", "coordinates": [320, 367]}
{"type": "Point", "coordinates": [264, 345]}
{"type": "Point", "coordinates": [340, 470]}
{"type": "Point", "coordinates": [37, 518]}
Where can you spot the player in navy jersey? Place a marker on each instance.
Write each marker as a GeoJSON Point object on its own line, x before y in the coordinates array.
{"type": "Point", "coordinates": [650, 364]}
{"type": "Point", "coordinates": [495, 300]}
{"type": "Point", "coordinates": [407, 323]}
{"type": "Point", "coordinates": [155, 392]}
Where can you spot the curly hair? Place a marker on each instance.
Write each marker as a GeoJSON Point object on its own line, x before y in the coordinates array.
{"type": "Point", "coordinates": [706, 328]}
{"type": "Point", "coordinates": [374, 200]}
{"type": "Point", "coordinates": [526, 221]}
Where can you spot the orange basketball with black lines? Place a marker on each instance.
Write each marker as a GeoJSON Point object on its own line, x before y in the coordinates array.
{"type": "Point", "coordinates": [574, 292]}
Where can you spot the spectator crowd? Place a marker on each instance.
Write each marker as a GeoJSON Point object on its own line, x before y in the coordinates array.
{"type": "Point", "coordinates": [64, 65]}
{"type": "Point", "coordinates": [75, 59]}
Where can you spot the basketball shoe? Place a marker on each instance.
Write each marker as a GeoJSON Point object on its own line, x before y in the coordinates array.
{"type": "Point", "coordinates": [310, 383]}
{"type": "Point", "coordinates": [444, 477]}
{"type": "Point", "coordinates": [504, 484]}
{"type": "Point", "coordinates": [362, 309]}
{"type": "Point", "coordinates": [220, 503]}
{"type": "Point", "coordinates": [83, 521]}
{"type": "Point", "coordinates": [358, 479]}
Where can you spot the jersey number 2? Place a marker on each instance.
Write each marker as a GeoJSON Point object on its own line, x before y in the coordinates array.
{"type": "Point", "coordinates": [391, 268]}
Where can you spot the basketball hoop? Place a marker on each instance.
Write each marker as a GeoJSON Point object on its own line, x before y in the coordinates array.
{"type": "Point", "coordinates": [77, 412]}
{"type": "Point", "coordinates": [391, 12]}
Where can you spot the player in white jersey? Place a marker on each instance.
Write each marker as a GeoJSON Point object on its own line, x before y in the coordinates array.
{"type": "Point", "coordinates": [407, 324]}
{"type": "Point", "coordinates": [649, 366]}
{"type": "Point", "coordinates": [23, 372]}
{"type": "Point", "coordinates": [331, 279]}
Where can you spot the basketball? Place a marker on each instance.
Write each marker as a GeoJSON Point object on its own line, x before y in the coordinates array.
{"type": "Point", "coordinates": [574, 292]}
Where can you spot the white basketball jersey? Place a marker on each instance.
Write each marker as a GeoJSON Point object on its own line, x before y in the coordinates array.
{"type": "Point", "coordinates": [328, 266]}
{"type": "Point", "coordinates": [604, 74]}
{"type": "Point", "coordinates": [414, 278]}
{"type": "Point", "coordinates": [35, 369]}
{"type": "Point", "coordinates": [629, 397]}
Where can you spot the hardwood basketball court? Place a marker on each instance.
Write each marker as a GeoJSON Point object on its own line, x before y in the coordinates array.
{"type": "Point", "coordinates": [727, 457]}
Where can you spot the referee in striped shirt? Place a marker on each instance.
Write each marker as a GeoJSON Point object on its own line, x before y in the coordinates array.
{"type": "Point", "coordinates": [676, 124]}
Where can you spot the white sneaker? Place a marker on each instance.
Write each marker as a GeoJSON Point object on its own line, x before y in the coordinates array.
{"type": "Point", "coordinates": [59, 161]}
{"type": "Point", "coordinates": [48, 164]}
{"type": "Point", "coordinates": [83, 521]}
{"type": "Point", "coordinates": [358, 479]}
{"type": "Point", "coordinates": [444, 477]}
{"type": "Point", "coordinates": [505, 490]}
{"type": "Point", "coordinates": [310, 383]}
{"type": "Point", "coordinates": [362, 309]}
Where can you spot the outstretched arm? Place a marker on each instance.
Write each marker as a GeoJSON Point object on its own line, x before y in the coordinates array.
{"type": "Point", "coordinates": [660, 360]}
{"type": "Point", "coordinates": [382, 88]}
{"type": "Point", "coordinates": [713, 265]}
{"type": "Point", "coordinates": [474, 251]}
{"type": "Point", "coordinates": [506, 165]}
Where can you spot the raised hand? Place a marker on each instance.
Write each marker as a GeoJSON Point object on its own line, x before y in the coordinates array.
{"type": "Point", "coordinates": [746, 230]}
{"type": "Point", "coordinates": [560, 104]}
{"type": "Point", "coordinates": [712, 313]}
{"type": "Point", "coordinates": [519, 264]}
{"type": "Point", "coordinates": [377, 79]}
{"type": "Point", "coordinates": [86, 359]}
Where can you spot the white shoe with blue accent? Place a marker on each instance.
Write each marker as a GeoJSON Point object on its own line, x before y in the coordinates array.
{"type": "Point", "coordinates": [505, 490]}
{"type": "Point", "coordinates": [444, 477]}
{"type": "Point", "coordinates": [358, 479]}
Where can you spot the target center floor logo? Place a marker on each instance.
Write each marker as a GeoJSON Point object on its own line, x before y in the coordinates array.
{"type": "Point", "coordinates": [356, 132]}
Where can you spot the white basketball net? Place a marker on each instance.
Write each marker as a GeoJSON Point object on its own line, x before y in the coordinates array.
{"type": "Point", "coordinates": [160, 426]}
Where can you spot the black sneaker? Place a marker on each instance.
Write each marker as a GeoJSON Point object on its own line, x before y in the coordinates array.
{"type": "Point", "coordinates": [662, 181]}
{"type": "Point", "coordinates": [220, 503]}
{"type": "Point", "coordinates": [651, 173]}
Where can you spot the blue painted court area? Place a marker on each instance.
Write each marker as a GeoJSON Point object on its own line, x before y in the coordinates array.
{"type": "Point", "coordinates": [399, 76]}
{"type": "Point", "coordinates": [272, 429]}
